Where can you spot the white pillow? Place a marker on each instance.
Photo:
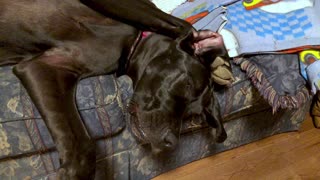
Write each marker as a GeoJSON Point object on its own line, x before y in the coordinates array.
{"type": "Point", "coordinates": [286, 6]}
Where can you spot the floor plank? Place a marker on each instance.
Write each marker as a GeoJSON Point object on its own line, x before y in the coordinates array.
{"type": "Point", "coordinates": [293, 155]}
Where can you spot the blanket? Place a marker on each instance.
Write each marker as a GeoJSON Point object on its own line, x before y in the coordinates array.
{"type": "Point", "coordinates": [189, 9]}
{"type": "Point", "coordinates": [258, 31]}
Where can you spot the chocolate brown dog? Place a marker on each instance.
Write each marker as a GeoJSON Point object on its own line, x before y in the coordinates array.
{"type": "Point", "coordinates": [169, 86]}
{"type": "Point", "coordinates": [55, 43]}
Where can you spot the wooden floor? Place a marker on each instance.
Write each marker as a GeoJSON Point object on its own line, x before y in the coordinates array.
{"type": "Point", "coordinates": [294, 155]}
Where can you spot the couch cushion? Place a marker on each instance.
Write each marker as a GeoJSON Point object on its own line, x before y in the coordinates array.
{"type": "Point", "coordinates": [100, 99]}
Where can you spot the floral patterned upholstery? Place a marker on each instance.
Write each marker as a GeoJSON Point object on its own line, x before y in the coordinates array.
{"type": "Point", "coordinates": [27, 150]}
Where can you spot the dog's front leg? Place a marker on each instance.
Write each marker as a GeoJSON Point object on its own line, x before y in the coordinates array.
{"type": "Point", "coordinates": [51, 84]}
{"type": "Point", "coordinates": [214, 119]}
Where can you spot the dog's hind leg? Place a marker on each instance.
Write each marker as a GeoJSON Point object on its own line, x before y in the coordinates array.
{"type": "Point", "coordinates": [142, 14]}
{"type": "Point", "coordinates": [51, 83]}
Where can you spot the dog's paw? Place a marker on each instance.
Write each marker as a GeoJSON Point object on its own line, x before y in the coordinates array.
{"type": "Point", "coordinates": [316, 121]}
{"type": "Point", "coordinates": [76, 171]}
{"type": "Point", "coordinates": [221, 72]}
{"type": "Point", "coordinates": [62, 174]}
{"type": "Point", "coordinates": [80, 165]}
{"type": "Point", "coordinates": [221, 136]}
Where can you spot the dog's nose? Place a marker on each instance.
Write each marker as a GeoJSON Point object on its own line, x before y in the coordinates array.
{"type": "Point", "coordinates": [170, 141]}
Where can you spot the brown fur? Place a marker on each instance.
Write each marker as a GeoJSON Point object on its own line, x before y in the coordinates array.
{"type": "Point", "coordinates": [55, 43]}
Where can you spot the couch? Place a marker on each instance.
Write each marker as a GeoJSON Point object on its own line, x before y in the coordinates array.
{"type": "Point", "coordinates": [28, 152]}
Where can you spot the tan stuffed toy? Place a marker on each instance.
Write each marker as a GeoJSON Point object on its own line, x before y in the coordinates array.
{"type": "Point", "coordinates": [221, 72]}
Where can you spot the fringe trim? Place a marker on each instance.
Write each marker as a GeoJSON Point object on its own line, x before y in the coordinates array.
{"type": "Point", "coordinates": [268, 92]}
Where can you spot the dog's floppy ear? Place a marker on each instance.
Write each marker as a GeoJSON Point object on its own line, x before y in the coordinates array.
{"type": "Point", "coordinates": [207, 107]}
{"type": "Point", "coordinates": [213, 116]}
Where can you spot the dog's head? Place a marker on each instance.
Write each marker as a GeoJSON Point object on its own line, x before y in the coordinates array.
{"type": "Point", "coordinates": [173, 86]}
